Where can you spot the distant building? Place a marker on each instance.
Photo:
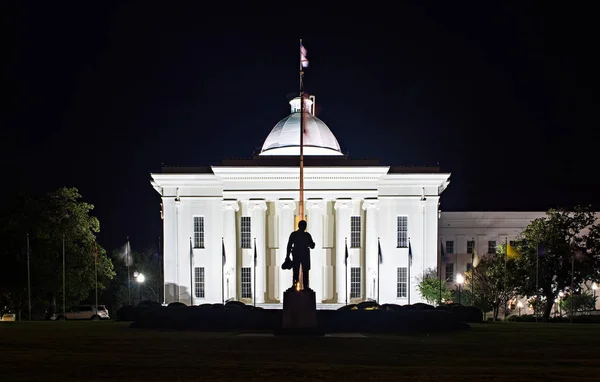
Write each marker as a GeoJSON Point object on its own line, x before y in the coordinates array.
{"type": "Point", "coordinates": [248, 207]}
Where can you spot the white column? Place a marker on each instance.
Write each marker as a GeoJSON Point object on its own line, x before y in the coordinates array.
{"type": "Point", "coordinates": [342, 231]}
{"type": "Point", "coordinates": [316, 210]}
{"type": "Point", "coordinates": [371, 255]}
{"type": "Point", "coordinates": [230, 207]}
{"type": "Point", "coordinates": [285, 215]}
{"type": "Point", "coordinates": [258, 210]}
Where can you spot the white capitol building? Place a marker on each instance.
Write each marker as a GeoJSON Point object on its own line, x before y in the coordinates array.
{"type": "Point", "coordinates": [249, 207]}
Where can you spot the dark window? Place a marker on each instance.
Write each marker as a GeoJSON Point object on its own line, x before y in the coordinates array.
{"type": "Point", "coordinates": [246, 232]}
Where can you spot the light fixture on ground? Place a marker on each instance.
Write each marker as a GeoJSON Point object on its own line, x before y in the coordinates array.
{"type": "Point", "coordinates": [594, 287]}
{"type": "Point", "coordinates": [519, 305]}
{"type": "Point", "coordinates": [460, 279]}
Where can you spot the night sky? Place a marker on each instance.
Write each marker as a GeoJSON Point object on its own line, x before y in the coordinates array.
{"type": "Point", "coordinates": [99, 96]}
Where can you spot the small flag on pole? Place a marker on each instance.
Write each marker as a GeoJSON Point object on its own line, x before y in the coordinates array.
{"type": "Point", "coordinates": [303, 59]}
{"type": "Point", "coordinates": [255, 253]}
{"type": "Point", "coordinates": [223, 251]}
{"type": "Point", "coordinates": [379, 251]}
{"type": "Point", "coordinates": [346, 257]}
{"type": "Point", "coordinates": [191, 250]}
{"type": "Point", "coordinates": [409, 253]}
{"type": "Point", "coordinates": [442, 251]}
{"type": "Point", "coordinates": [475, 259]}
{"type": "Point", "coordinates": [512, 252]}
{"type": "Point", "coordinates": [541, 252]}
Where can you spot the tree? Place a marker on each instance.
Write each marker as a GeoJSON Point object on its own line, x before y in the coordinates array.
{"type": "Point", "coordinates": [429, 287]}
{"type": "Point", "coordinates": [47, 220]}
{"type": "Point", "coordinates": [490, 289]}
{"type": "Point", "coordinates": [564, 236]}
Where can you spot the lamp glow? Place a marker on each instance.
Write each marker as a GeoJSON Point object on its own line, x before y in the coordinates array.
{"type": "Point", "coordinates": [140, 278]}
{"type": "Point", "coordinates": [594, 286]}
{"type": "Point", "coordinates": [460, 278]}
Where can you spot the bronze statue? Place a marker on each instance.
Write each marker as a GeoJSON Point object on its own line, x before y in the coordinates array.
{"type": "Point", "coordinates": [299, 245]}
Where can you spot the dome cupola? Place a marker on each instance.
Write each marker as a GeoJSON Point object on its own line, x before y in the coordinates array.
{"type": "Point", "coordinates": [284, 138]}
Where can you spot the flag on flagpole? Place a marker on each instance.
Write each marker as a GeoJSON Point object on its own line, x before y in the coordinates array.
{"type": "Point", "coordinates": [303, 59]}
{"type": "Point", "coordinates": [223, 251]}
{"type": "Point", "coordinates": [442, 251]}
{"type": "Point", "coordinates": [255, 253]}
{"type": "Point", "coordinates": [409, 253]}
{"type": "Point", "coordinates": [379, 251]}
{"type": "Point", "coordinates": [475, 258]}
{"type": "Point", "coordinates": [191, 250]}
{"type": "Point", "coordinates": [346, 257]}
{"type": "Point", "coordinates": [541, 252]}
{"type": "Point", "coordinates": [512, 252]}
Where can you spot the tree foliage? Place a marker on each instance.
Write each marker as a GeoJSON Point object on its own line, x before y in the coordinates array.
{"type": "Point", "coordinates": [47, 220]}
{"type": "Point", "coordinates": [583, 302]}
{"type": "Point", "coordinates": [492, 286]}
{"type": "Point", "coordinates": [429, 287]}
{"type": "Point", "coordinates": [565, 235]}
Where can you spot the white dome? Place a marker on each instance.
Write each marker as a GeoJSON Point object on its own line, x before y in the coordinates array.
{"type": "Point", "coordinates": [284, 139]}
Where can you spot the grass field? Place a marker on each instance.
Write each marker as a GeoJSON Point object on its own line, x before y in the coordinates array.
{"type": "Point", "coordinates": [93, 351]}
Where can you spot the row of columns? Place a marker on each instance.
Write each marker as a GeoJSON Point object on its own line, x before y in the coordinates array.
{"type": "Point", "coordinates": [285, 209]}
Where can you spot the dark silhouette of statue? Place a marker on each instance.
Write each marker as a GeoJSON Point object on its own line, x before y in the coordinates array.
{"type": "Point", "coordinates": [299, 245]}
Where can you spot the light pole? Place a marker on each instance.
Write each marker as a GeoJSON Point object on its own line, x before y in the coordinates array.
{"type": "Point", "coordinates": [519, 305]}
{"type": "Point", "coordinates": [460, 279]}
{"type": "Point", "coordinates": [594, 287]}
{"type": "Point", "coordinates": [140, 278]}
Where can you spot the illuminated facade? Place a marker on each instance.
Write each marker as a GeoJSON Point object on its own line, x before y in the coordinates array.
{"type": "Point", "coordinates": [226, 227]}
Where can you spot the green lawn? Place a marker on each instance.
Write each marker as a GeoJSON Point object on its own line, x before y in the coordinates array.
{"type": "Point", "coordinates": [89, 351]}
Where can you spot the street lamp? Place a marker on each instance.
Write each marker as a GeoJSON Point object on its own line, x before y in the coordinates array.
{"type": "Point", "coordinates": [519, 305]}
{"type": "Point", "coordinates": [594, 287]}
{"type": "Point", "coordinates": [140, 278]}
{"type": "Point", "coordinates": [460, 279]}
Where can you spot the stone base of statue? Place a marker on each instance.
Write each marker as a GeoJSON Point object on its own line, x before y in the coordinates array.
{"type": "Point", "coordinates": [299, 312]}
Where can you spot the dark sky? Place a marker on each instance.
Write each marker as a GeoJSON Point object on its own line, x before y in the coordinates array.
{"type": "Point", "coordinates": [98, 96]}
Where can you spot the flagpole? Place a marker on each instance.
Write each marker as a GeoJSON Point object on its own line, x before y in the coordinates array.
{"type": "Point", "coordinates": [537, 288]}
{"type": "Point", "coordinates": [473, 272]}
{"type": "Point", "coordinates": [127, 262]}
{"type": "Point", "coordinates": [301, 201]}
{"type": "Point", "coordinates": [408, 279]}
{"type": "Point", "coordinates": [254, 278]}
{"type": "Point", "coordinates": [505, 286]}
{"type": "Point", "coordinates": [160, 271]}
{"type": "Point", "coordinates": [64, 277]}
{"type": "Point", "coordinates": [28, 279]}
{"type": "Point", "coordinates": [572, 287]}
{"type": "Point", "coordinates": [222, 271]}
{"type": "Point", "coordinates": [191, 274]}
{"type": "Point", "coordinates": [440, 262]}
{"type": "Point", "coordinates": [96, 272]}
{"type": "Point", "coordinates": [346, 273]}
{"type": "Point", "coordinates": [378, 267]}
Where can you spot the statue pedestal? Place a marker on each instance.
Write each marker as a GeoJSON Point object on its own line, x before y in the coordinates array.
{"type": "Point", "coordinates": [299, 310]}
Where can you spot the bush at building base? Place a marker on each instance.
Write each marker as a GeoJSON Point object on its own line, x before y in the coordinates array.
{"type": "Point", "coordinates": [360, 318]}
